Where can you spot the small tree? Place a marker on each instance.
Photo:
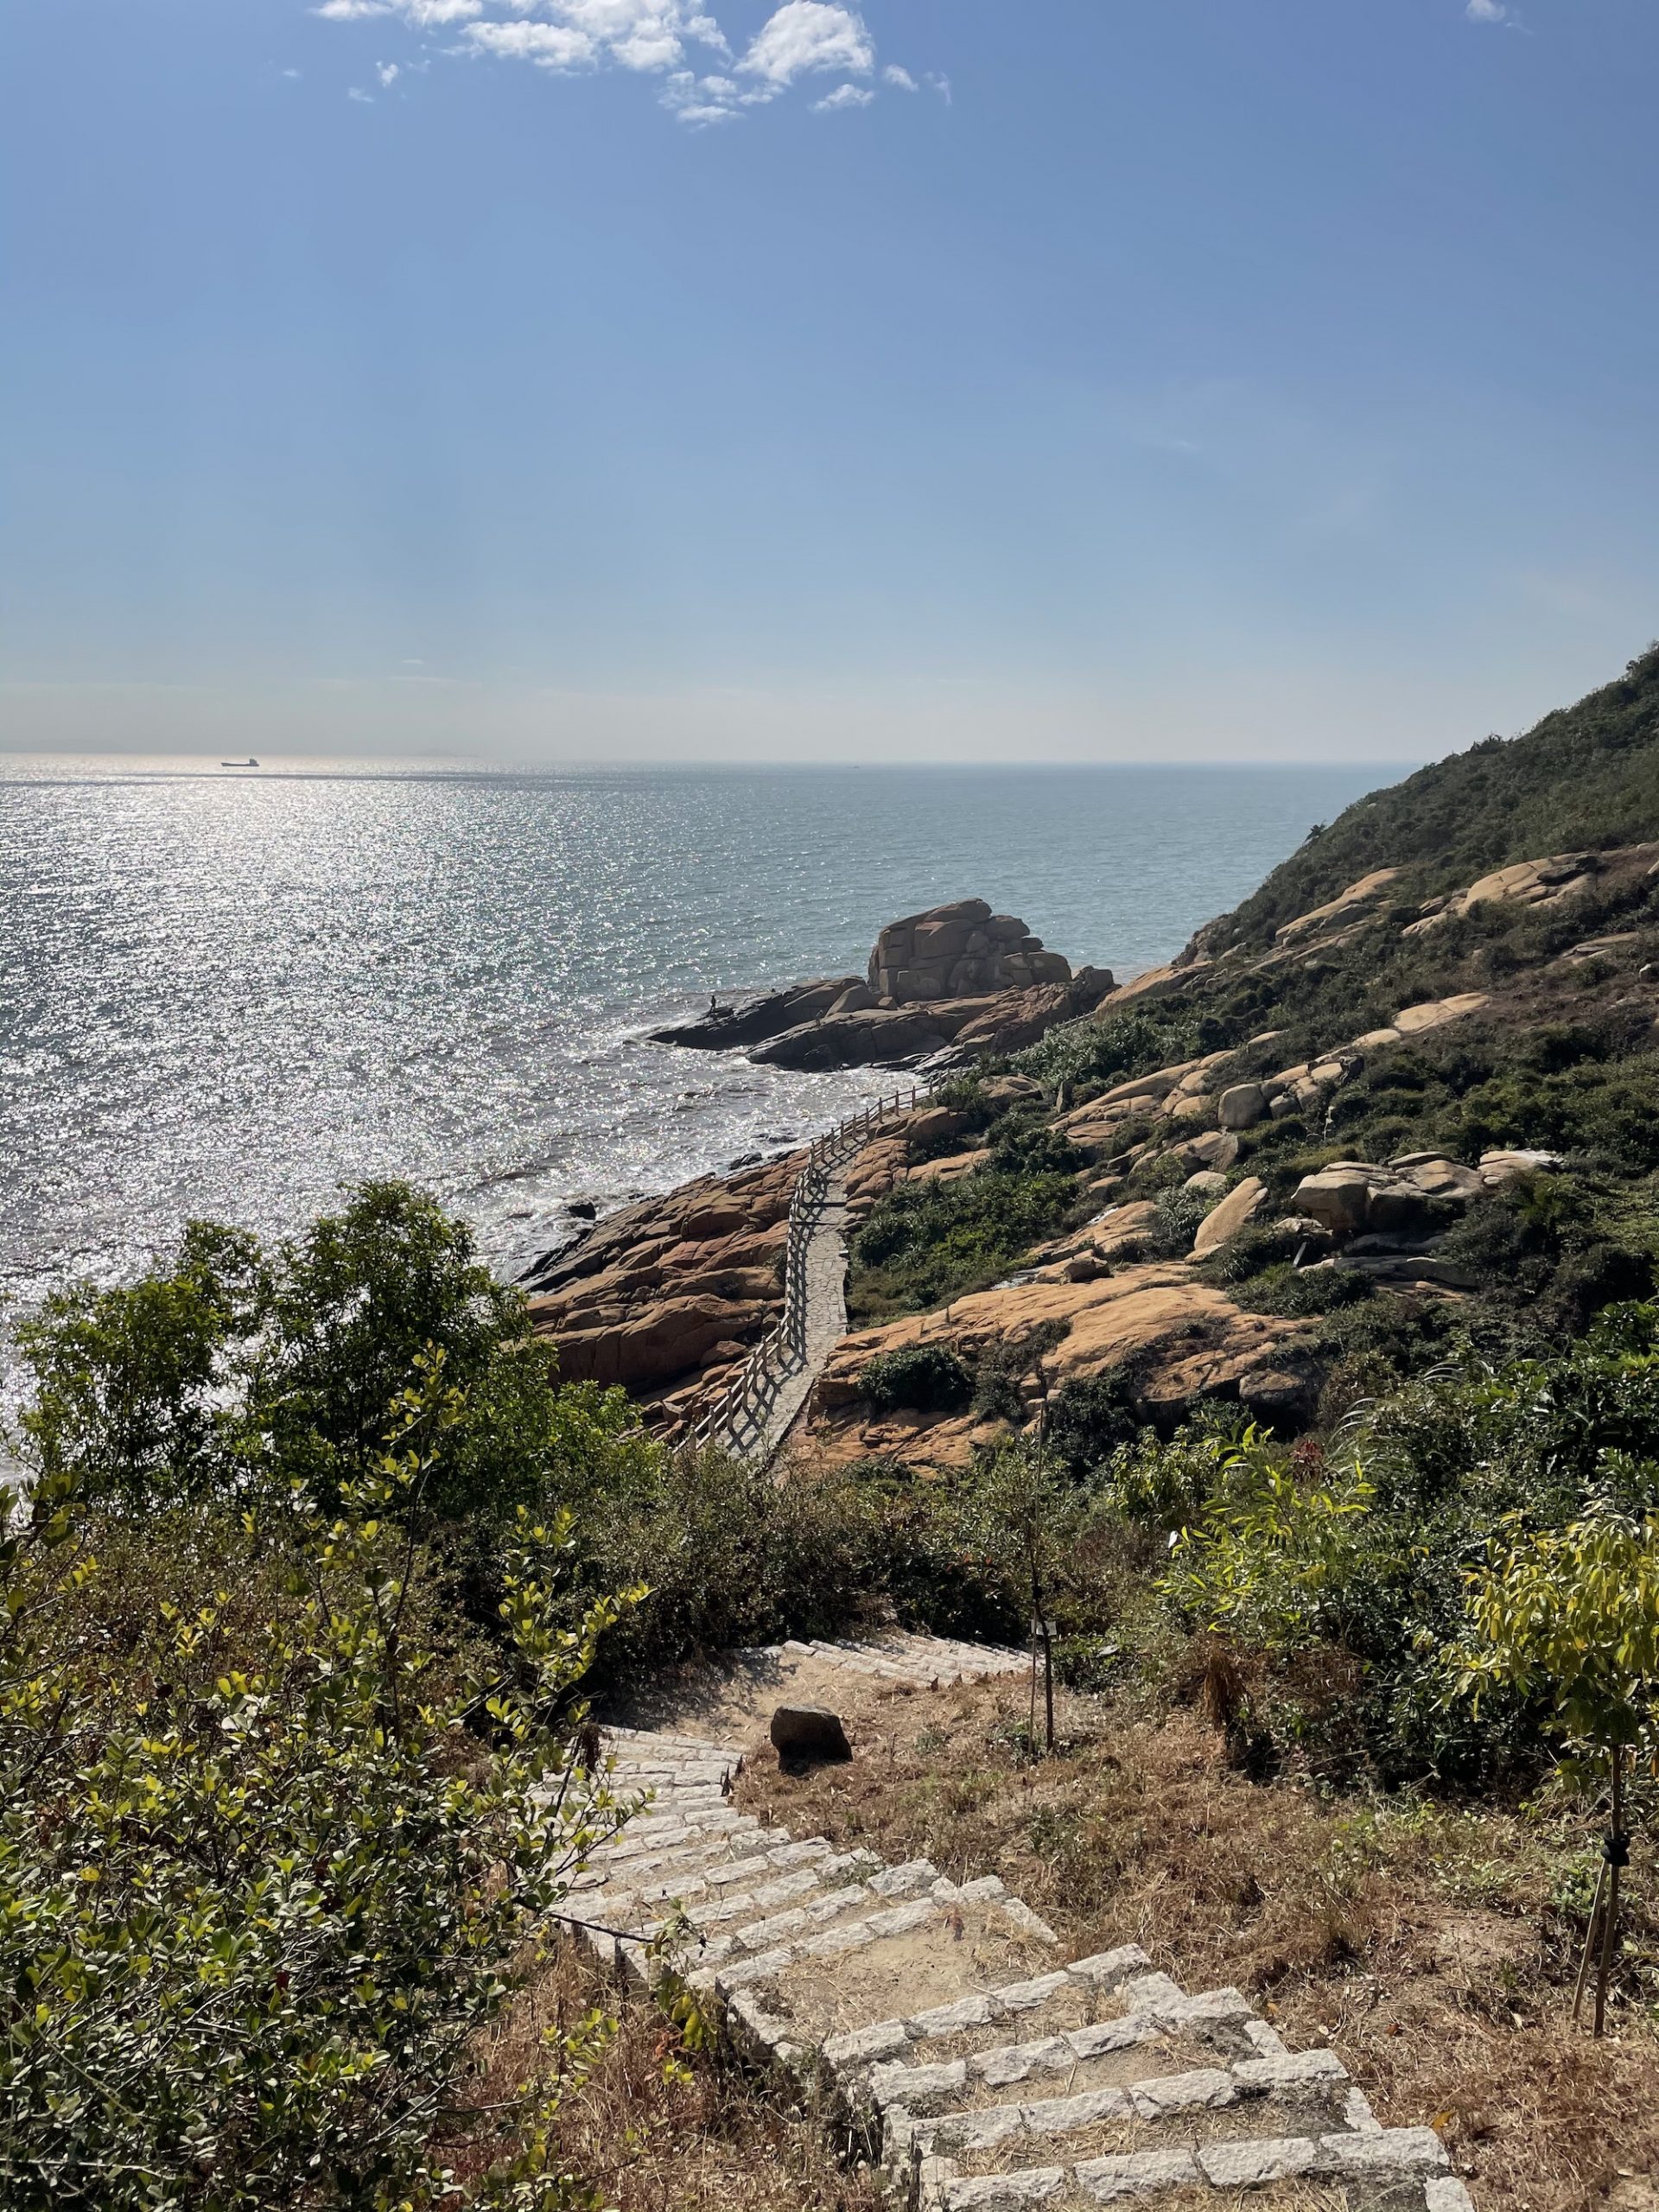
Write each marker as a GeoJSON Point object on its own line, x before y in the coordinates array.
{"type": "Point", "coordinates": [273, 1849]}
{"type": "Point", "coordinates": [1572, 1616]}
{"type": "Point", "coordinates": [1014, 1516]}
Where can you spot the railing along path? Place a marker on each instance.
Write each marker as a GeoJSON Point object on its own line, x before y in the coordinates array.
{"type": "Point", "coordinates": [738, 1417]}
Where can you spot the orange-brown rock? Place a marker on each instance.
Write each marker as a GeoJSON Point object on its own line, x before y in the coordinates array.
{"type": "Point", "coordinates": [1342, 908]}
{"type": "Point", "coordinates": [664, 1339]}
{"type": "Point", "coordinates": [1178, 1339]}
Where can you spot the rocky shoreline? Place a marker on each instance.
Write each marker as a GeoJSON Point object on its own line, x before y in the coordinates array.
{"type": "Point", "coordinates": [667, 1297]}
{"type": "Point", "coordinates": [941, 988]}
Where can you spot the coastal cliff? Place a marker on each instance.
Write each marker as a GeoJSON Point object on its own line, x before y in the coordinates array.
{"type": "Point", "coordinates": [1185, 1189]}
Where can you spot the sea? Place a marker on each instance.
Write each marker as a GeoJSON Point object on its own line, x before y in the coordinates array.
{"type": "Point", "coordinates": [233, 993]}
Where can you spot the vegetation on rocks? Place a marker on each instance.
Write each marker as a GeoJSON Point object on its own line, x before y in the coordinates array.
{"type": "Point", "coordinates": [927, 1243]}
{"type": "Point", "coordinates": [1586, 776]}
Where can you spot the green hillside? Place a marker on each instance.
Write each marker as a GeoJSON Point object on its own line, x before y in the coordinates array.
{"type": "Point", "coordinates": [1586, 776]}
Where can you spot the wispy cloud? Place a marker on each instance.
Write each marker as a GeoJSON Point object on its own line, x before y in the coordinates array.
{"type": "Point", "coordinates": [843, 96]}
{"type": "Point", "coordinates": [550, 46]}
{"type": "Point", "coordinates": [1487, 11]}
{"type": "Point", "coordinates": [799, 41]}
{"type": "Point", "coordinates": [387, 72]}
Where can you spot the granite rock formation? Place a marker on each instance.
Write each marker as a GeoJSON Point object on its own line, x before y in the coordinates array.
{"type": "Point", "coordinates": [945, 987]}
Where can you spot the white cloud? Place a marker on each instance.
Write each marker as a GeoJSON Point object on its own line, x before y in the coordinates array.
{"type": "Point", "coordinates": [356, 92]}
{"type": "Point", "coordinates": [843, 96]}
{"type": "Point", "coordinates": [800, 39]}
{"type": "Point", "coordinates": [806, 35]}
{"type": "Point", "coordinates": [293, 74]}
{"type": "Point", "coordinates": [641, 34]}
{"type": "Point", "coordinates": [1486, 11]}
{"type": "Point", "coordinates": [550, 46]}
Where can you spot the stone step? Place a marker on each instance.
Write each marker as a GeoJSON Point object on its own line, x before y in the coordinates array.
{"type": "Point", "coordinates": [619, 1870]}
{"type": "Point", "coordinates": [1024, 2007]}
{"type": "Point", "coordinates": [978, 1658]}
{"type": "Point", "coordinates": [1122, 2054]}
{"type": "Point", "coordinates": [997, 2081]}
{"type": "Point", "coordinates": [722, 1901]}
{"type": "Point", "coordinates": [1397, 2169]}
{"type": "Point", "coordinates": [1295, 2097]}
{"type": "Point", "coordinates": [617, 1739]}
{"type": "Point", "coordinates": [740, 1853]}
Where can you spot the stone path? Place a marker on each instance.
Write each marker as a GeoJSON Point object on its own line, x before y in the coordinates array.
{"type": "Point", "coordinates": [949, 2037]}
{"type": "Point", "coordinates": [825, 1283]}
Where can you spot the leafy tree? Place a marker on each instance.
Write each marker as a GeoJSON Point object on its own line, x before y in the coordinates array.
{"type": "Point", "coordinates": [1572, 1616]}
{"type": "Point", "coordinates": [1014, 1516]}
{"type": "Point", "coordinates": [273, 1849]}
{"type": "Point", "coordinates": [1273, 1557]}
{"type": "Point", "coordinates": [236, 1366]}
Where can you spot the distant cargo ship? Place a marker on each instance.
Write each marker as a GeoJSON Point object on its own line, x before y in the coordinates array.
{"type": "Point", "coordinates": [239, 763]}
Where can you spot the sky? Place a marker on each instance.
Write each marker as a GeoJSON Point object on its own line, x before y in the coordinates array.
{"type": "Point", "coordinates": [1016, 380]}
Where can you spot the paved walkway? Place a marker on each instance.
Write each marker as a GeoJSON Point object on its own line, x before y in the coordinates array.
{"type": "Point", "coordinates": [949, 2036]}
{"type": "Point", "coordinates": [757, 1437]}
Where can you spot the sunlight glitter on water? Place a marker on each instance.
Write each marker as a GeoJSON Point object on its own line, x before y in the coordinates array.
{"type": "Point", "coordinates": [231, 994]}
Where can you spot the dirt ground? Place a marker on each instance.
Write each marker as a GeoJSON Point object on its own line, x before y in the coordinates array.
{"type": "Point", "coordinates": [1433, 1950]}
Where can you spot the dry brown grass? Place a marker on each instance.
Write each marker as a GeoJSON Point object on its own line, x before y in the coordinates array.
{"type": "Point", "coordinates": [716, 2140]}
{"type": "Point", "coordinates": [1425, 1944]}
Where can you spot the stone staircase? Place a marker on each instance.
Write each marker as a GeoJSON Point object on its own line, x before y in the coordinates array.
{"type": "Point", "coordinates": [950, 2040]}
{"type": "Point", "coordinates": [911, 1662]}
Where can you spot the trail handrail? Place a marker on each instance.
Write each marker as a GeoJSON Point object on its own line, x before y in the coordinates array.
{"type": "Point", "coordinates": [740, 1410]}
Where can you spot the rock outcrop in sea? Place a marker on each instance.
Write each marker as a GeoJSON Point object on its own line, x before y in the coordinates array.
{"type": "Point", "coordinates": [943, 989]}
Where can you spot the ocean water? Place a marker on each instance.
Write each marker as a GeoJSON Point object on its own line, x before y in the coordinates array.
{"type": "Point", "coordinates": [229, 996]}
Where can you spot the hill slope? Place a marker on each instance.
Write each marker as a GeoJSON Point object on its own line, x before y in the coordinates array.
{"type": "Point", "coordinates": [1586, 776]}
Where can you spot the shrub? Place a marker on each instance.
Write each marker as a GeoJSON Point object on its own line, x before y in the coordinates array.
{"type": "Point", "coordinates": [205, 1376]}
{"type": "Point", "coordinates": [264, 1880]}
{"type": "Point", "coordinates": [929, 1376]}
{"type": "Point", "coordinates": [1092, 1054]}
{"type": "Point", "coordinates": [1090, 1416]}
{"type": "Point", "coordinates": [928, 1242]}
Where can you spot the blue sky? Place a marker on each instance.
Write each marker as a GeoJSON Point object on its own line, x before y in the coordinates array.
{"type": "Point", "coordinates": [578, 379]}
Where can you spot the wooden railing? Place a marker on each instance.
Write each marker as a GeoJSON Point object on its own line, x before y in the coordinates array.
{"type": "Point", "coordinates": [737, 1420]}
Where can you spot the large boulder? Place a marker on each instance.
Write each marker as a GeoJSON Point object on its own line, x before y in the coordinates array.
{"type": "Point", "coordinates": [1242, 1105]}
{"type": "Point", "coordinates": [876, 1036]}
{"type": "Point", "coordinates": [1339, 1198]}
{"type": "Point", "coordinates": [1242, 1205]}
{"type": "Point", "coordinates": [958, 950]}
{"type": "Point", "coordinates": [802, 1734]}
{"type": "Point", "coordinates": [662, 1339]}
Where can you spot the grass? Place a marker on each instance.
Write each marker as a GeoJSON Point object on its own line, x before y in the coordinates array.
{"type": "Point", "coordinates": [1434, 1948]}
{"type": "Point", "coordinates": [655, 2129]}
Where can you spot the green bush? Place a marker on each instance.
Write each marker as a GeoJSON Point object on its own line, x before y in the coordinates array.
{"type": "Point", "coordinates": [927, 1243]}
{"type": "Point", "coordinates": [1089, 1056]}
{"type": "Point", "coordinates": [1090, 1416]}
{"type": "Point", "coordinates": [929, 1376]}
{"type": "Point", "coordinates": [235, 1362]}
{"type": "Point", "coordinates": [272, 1846]}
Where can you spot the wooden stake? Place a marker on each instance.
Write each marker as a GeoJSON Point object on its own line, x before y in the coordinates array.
{"type": "Point", "coordinates": [1616, 1846]}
